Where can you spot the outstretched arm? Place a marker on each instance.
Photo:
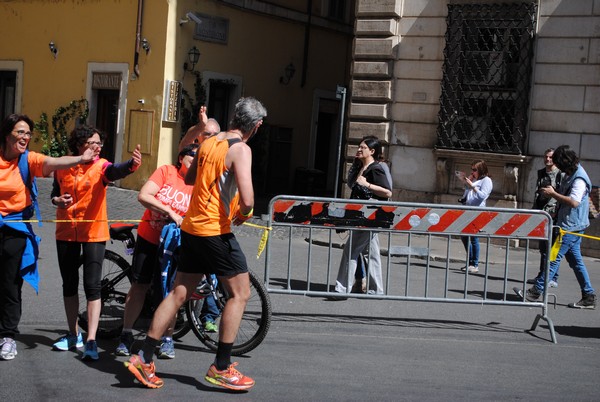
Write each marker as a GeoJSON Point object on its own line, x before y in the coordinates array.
{"type": "Point", "coordinates": [116, 171]}
{"type": "Point", "coordinates": [194, 131]}
{"type": "Point", "coordinates": [64, 162]}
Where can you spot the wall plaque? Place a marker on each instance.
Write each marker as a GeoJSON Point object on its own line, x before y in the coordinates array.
{"type": "Point", "coordinates": [172, 106]}
{"type": "Point", "coordinates": [212, 29]}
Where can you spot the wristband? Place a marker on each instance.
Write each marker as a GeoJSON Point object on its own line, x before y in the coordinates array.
{"type": "Point", "coordinates": [246, 215]}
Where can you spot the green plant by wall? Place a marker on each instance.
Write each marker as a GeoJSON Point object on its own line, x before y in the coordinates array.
{"type": "Point", "coordinates": [189, 114]}
{"type": "Point", "coordinates": [65, 118]}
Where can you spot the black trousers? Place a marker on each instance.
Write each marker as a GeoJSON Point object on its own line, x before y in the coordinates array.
{"type": "Point", "coordinates": [12, 246]}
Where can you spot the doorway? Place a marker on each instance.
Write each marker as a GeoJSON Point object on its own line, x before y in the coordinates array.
{"type": "Point", "coordinates": [8, 85]}
{"type": "Point", "coordinates": [325, 141]}
{"type": "Point", "coordinates": [220, 102]}
{"type": "Point", "coordinates": [107, 113]}
{"type": "Point", "coordinates": [107, 95]}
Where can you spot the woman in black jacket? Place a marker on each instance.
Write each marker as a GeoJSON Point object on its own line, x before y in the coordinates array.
{"type": "Point", "coordinates": [369, 182]}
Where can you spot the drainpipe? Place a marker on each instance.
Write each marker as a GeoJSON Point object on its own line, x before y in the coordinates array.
{"type": "Point", "coordinates": [306, 43]}
{"type": "Point", "coordinates": [138, 39]}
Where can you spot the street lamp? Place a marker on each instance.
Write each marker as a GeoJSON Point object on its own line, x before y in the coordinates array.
{"type": "Point", "coordinates": [193, 57]}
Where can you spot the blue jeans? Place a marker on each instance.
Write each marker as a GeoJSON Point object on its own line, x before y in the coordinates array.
{"type": "Point", "coordinates": [571, 250]}
{"type": "Point", "coordinates": [210, 311]}
{"type": "Point", "coordinates": [471, 244]}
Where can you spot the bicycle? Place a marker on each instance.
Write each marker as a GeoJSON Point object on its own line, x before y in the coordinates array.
{"type": "Point", "coordinates": [115, 284]}
{"type": "Point", "coordinates": [116, 280]}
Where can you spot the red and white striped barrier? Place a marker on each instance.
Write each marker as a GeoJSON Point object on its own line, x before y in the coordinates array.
{"type": "Point", "coordinates": [422, 218]}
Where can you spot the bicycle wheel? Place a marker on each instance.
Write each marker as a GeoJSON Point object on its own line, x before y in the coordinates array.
{"type": "Point", "coordinates": [182, 325]}
{"type": "Point", "coordinates": [116, 281]}
{"type": "Point", "coordinates": [255, 321]}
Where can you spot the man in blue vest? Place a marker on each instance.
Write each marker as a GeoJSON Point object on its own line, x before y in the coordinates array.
{"type": "Point", "coordinates": [572, 217]}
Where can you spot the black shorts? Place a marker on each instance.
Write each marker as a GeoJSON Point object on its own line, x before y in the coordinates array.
{"type": "Point", "coordinates": [145, 261]}
{"type": "Point", "coordinates": [219, 255]}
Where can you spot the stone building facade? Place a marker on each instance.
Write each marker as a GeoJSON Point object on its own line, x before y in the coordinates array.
{"type": "Point", "coordinates": [404, 91]}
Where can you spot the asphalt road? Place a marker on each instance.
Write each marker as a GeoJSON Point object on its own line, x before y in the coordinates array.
{"type": "Point", "coordinates": [354, 350]}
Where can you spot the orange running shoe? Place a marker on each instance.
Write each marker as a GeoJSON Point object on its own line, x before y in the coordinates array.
{"type": "Point", "coordinates": [229, 378]}
{"type": "Point", "coordinates": [145, 373]}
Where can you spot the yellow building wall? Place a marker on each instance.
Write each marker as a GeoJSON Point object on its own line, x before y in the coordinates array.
{"type": "Point", "coordinates": [83, 32]}
{"type": "Point", "coordinates": [149, 86]}
{"type": "Point", "coordinates": [258, 50]}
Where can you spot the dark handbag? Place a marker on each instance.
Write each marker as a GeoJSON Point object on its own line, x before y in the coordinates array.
{"type": "Point", "coordinates": [361, 192]}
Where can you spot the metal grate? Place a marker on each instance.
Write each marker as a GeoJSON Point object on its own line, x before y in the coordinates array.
{"type": "Point", "coordinates": [487, 77]}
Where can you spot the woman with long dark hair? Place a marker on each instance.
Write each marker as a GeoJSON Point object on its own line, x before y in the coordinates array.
{"type": "Point", "coordinates": [370, 183]}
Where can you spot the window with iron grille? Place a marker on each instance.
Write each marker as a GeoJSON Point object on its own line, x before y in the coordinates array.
{"type": "Point", "coordinates": [487, 77]}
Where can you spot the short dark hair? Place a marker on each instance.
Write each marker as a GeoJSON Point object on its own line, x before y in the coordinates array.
{"type": "Point", "coordinates": [565, 159]}
{"type": "Point", "coordinates": [187, 150]}
{"type": "Point", "coordinates": [9, 123]}
{"type": "Point", "coordinates": [80, 135]}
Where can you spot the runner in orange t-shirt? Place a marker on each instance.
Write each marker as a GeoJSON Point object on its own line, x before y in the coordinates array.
{"type": "Point", "coordinates": [18, 243]}
{"type": "Point", "coordinates": [222, 176]}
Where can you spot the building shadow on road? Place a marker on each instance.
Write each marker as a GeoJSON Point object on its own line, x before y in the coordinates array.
{"type": "Point", "coordinates": [108, 362]}
{"type": "Point", "coordinates": [510, 296]}
{"type": "Point", "coordinates": [578, 332]}
{"type": "Point", "coordinates": [393, 322]}
{"type": "Point", "coordinates": [34, 341]}
{"type": "Point", "coordinates": [301, 285]}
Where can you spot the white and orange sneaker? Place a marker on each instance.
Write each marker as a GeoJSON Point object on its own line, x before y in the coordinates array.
{"type": "Point", "coordinates": [229, 378]}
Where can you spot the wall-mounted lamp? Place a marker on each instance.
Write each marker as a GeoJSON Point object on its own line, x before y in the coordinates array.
{"type": "Point", "coordinates": [146, 45]}
{"type": "Point", "coordinates": [193, 57]}
{"type": "Point", "coordinates": [288, 74]}
{"type": "Point", "coordinates": [53, 49]}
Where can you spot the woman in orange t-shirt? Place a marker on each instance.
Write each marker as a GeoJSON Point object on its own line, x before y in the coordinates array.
{"type": "Point", "coordinates": [80, 195]}
{"type": "Point", "coordinates": [18, 243]}
{"type": "Point", "coordinates": [166, 198]}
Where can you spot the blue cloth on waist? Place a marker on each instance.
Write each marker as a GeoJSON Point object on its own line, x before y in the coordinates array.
{"type": "Point", "coordinates": [29, 267]}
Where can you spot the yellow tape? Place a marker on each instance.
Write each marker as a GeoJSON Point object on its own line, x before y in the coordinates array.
{"type": "Point", "coordinates": [556, 246]}
{"type": "Point", "coordinates": [558, 242]}
{"type": "Point", "coordinates": [580, 235]}
{"type": "Point", "coordinates": [263, 239]}
{"type": "Point", "coordinates": [261, 244]}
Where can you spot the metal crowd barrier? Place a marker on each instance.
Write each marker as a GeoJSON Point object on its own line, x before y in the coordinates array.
{"type": "Point", "coordinates": [421, 250]}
